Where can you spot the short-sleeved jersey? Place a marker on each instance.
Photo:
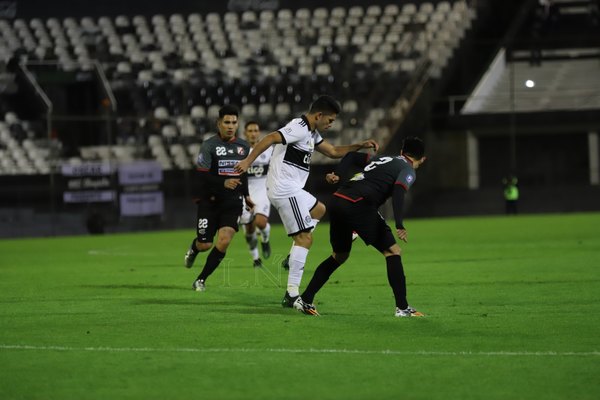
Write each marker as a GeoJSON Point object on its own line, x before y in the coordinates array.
{"type": "Point", "coordinates": [376, 183]}
{"type": "Point", "coordinates": [218, 158]}
{"type": "Point", "coordinates": [290, 162]}
{"type": "Point", "coordinates": [257, 173]}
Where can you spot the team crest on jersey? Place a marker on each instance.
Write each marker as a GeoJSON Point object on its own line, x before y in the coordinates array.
{"type": "Point", "coordinates": [308, 219]}
{"type": "Point", "coordinates": [240, 151]}
{"type": "Point", "coordinates": [409, 178]}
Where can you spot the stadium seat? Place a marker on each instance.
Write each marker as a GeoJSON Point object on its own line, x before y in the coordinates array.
{"type": "Point", "coordinates": [189, 65]}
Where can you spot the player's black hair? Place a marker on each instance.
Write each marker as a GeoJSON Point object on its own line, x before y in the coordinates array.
{"type": "Point", "coordinates": [228, 109]}
{"type": "Point", "coordinates": [251, 122]}
{"type": "Point", "coordinates": [325, 104]}
{"type": "Point", "coordinates": [413, 147]}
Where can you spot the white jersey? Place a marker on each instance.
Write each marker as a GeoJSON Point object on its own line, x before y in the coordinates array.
{"type": "Point", "coordinates": [290, 162]}
{"type": "Point", "coordinates": [257, 174]}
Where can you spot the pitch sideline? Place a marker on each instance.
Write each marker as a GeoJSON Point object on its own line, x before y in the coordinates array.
{"type": "Point", "coordinates": [310, 350]}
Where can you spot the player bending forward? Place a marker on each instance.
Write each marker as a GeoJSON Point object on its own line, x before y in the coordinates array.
{"type": "Point", "coordinates": [354, 207]}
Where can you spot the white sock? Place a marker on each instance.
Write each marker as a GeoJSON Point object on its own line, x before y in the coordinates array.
{"type": "Point", "coordinates": [297, 260]}
{"type": "Point", "coordinates": [265, 233]}
{"type": "Point", "coordinates": [254, 253]}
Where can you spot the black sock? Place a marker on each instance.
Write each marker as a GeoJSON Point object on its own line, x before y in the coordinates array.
{"type": "Point", "coordinates": [212, 262]}
{"type": "Point", "coordinates": [320, 277]}
{"type": "Point", "coordinates": [193, 246]}
{"type": "Point", "coordinates": [397, 280]}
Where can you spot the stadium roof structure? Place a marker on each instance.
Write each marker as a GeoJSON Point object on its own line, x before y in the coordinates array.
{"type": "Point", "coordinates": [550, 85]}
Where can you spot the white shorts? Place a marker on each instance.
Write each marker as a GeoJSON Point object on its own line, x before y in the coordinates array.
{"type": "Point", "coordinates": [294, 211]}
{"type": "Point", "coordinates": [262, 205]}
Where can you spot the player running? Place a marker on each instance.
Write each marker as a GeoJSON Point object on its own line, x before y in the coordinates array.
{"type": "Point", "coordinates": [258, 218]}
{"type": "Point", "coordinates": [219, 195]}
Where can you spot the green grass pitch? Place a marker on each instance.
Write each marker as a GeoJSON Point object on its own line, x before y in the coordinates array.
{"type": "Point", "coordinates": [512, 305]}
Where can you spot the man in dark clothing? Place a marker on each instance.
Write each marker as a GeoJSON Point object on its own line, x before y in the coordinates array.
{"type": "Point", "coordinates": [354, 207]}
{"type": "Point", "coordinates": [219, 194]}
{"type": "Point", "coordinates": [511, 194]}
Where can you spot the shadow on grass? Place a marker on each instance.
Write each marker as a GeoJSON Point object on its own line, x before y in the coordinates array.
{"type": "Point", "coordinates": [465, 260]}
{"type": "Point", "coordinates": [134, 287]}
{"type": "Point", "coordinates": [222, 306]}
{"type": "Point", "coordinates": [506, 283]}
{"type": "Point", "coordinates": [180, 302]}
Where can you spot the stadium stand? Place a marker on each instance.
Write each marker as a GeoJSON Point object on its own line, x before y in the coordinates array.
{"type": "Point", "coordinates": [174, 71]}
{"type": "Point", "coordinates": [144, 80]}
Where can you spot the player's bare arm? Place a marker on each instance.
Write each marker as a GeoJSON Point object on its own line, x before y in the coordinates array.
{"type": "Point", "coordinates": [332, 151]}
{"type": "Point", "coordinates": [266, 142]}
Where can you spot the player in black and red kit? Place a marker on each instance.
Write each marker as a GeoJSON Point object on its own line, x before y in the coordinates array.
{"type": "Point", "coordinates": [354, 207]}
{"type": "Point", "coordinates": [219, 194]}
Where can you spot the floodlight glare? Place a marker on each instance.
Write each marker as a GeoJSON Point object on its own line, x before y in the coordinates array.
{"type": "Point", "coordinates": [529, 83]}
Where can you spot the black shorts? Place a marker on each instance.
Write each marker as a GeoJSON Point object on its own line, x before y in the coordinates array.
{"type": "Point", "coordinates": [347, 217]}
{"type": "Point", "coordinates": [212, 215]}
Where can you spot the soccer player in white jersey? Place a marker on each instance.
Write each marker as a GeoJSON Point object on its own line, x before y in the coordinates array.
{"type": "Point", "coordinates": [299, 210]}
{"type": "Point", "coordinates": [258, 218]}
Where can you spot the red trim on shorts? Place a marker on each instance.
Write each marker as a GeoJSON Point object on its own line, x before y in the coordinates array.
{"type": "Point", "coordinates": [348, 198]}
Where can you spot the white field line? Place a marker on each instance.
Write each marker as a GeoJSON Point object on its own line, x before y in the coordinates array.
{"type": "Point", "coordinates": [317, 351]}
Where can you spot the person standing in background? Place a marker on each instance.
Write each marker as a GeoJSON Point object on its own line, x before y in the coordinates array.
{"type": "Point", "coordinates": [511, 194]}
